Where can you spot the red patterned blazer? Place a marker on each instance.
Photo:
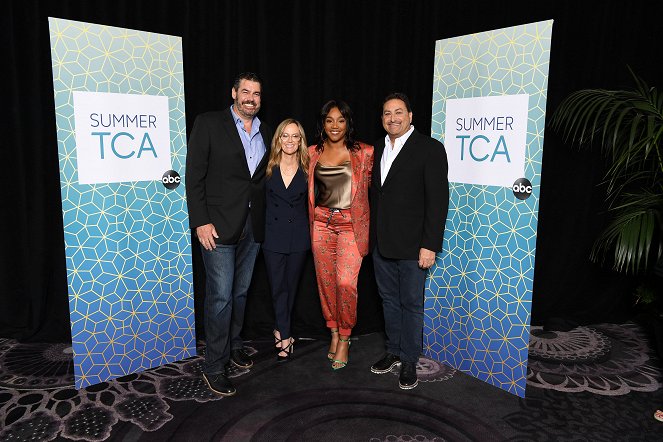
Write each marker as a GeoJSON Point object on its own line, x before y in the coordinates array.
{"type": "Point", "coordinates": [361, 162]}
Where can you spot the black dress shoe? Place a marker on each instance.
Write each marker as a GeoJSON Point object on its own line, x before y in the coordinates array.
{"type": "Point", "coordinates": [219, 384]}
{"type": "Point", "coordinates": [240, 359]}
{"type": "Point", "coordinates": [385, 364]}
{"type": "Point", "coordinates": [408, 378]}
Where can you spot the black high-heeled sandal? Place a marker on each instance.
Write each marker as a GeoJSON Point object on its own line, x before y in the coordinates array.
{"type": "Point", "coordinates": [288, 350]}
{"type": "Point", "coordinates": [277, 341]}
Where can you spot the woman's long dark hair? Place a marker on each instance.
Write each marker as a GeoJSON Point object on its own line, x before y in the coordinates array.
{"type": "Point", "coordinates": [350, 142]}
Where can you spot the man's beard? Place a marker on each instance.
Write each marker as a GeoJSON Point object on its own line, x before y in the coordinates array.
{"type": "Point", "coordinates": [247, 112]}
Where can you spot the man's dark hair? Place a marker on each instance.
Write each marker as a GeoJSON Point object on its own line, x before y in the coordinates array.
{"type": "Point", "coordinates": [398, 96]}
{"type": "Point", "coordinates": [251, 76]}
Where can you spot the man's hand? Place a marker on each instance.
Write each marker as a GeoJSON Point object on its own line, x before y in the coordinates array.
{"type": "Point", "coordinates": [206, 235]}
{"type": "Point", "coordinates": [426, 258]}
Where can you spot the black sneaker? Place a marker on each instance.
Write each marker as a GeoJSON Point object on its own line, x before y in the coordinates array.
{"type": "Point", "coordinates": [408, 378]}
{"type": "Point", "coordinates": [385, 364]}
{"type": "Point", "coordinates": [219, 384]}
{"type": "Point", "coordinates": [240, 359]}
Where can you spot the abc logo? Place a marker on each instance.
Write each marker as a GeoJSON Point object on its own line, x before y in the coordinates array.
{"type": "Point", "coordinates": [171, 179]}
{"type": "Point", "coordinates": [522, 188]}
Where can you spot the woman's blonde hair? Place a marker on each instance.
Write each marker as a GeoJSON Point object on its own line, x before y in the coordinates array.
{"type": "Point", "coordinates": [276, 151]}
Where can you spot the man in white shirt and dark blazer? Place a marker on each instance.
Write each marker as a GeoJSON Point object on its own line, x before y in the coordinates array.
{"type": "Point", "coordinates": [409, 203]}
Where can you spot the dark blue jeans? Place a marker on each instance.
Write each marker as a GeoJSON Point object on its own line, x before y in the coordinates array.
{"type": "Point", "coordinates": [401, 287]}
{"type": "Point", "coordinates": [228, 270]}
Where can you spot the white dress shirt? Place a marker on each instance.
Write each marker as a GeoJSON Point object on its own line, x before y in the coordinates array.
{"type": "Point", "coordinates": [391, 151]}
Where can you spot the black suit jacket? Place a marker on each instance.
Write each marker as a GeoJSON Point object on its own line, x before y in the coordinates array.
{"type": "Point", "coordinates": [286, 228]}
{"type": "Point", "coordinates": [409, 211]}
{"type": "Point", "coordinates": [219, 186]}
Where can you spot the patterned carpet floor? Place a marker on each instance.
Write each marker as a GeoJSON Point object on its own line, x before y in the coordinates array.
{"type": "Point", "coordinates": [593, 383]}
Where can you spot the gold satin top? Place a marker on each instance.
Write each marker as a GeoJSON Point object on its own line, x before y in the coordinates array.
{"type": "Point", "coordinates": [334, 185]}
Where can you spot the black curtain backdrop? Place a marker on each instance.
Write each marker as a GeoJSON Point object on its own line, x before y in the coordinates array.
{"type": "Point", "coordinates": [307, 52]}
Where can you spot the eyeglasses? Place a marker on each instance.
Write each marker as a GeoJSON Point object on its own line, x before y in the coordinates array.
{"type": "Point", "coordinates": [295, 137]}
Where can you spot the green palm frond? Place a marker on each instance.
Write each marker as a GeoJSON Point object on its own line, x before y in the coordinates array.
{"type": "Point", "coordinates": [634, 233]}
{"type": "Point", "coordinates": [628, 127]}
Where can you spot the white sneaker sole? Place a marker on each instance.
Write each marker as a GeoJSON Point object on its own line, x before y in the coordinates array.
{"type": "Point", "coordinates": [408, 387]}
{"type": "Point", "coordinates": [376, 371]}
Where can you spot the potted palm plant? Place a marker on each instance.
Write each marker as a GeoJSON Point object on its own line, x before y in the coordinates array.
{"type": "Point", "coordinates": [627, 125]}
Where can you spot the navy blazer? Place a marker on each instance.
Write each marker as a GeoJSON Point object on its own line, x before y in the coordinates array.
{"type": "Point", "coordinates": [286, 222]}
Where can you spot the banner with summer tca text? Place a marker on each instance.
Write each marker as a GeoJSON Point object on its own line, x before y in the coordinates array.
{"type": "Point", "coordinates": [489, 103]}
{"type": "Point", "coordinates": [119, 104]}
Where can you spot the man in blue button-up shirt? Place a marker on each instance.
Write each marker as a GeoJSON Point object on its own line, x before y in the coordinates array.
{"type": "Point", "coordinates": [225, 175]}
{"type": "Point", "coordinates": [247, 103]}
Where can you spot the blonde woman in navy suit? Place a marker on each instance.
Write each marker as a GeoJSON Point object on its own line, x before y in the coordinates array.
{"type": "Point", "coordinates": [287, 237]}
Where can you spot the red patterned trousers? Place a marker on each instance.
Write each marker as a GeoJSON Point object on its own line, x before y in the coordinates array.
{"type": "Point", "coordinates": [337, 263]}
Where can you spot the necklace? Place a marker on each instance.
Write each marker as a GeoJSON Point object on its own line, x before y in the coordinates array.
{"type": "Point", "coordinates": [288, 171]}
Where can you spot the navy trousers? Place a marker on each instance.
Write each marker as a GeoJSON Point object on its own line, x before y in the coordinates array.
{"type": "Point", "coordinates": [283, 272]}
{"type": "Point", "coordinates": [401, 286]}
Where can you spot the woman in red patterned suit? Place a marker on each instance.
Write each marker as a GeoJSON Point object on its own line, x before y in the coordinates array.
{"type": "Point", "coordinates": [339, 175]}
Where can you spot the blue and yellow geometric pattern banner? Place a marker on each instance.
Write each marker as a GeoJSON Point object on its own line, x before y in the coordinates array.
{"type": "Point", "coordinates": [489, 102]}
{"type": "Point", "coordinates": [119, 103]}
